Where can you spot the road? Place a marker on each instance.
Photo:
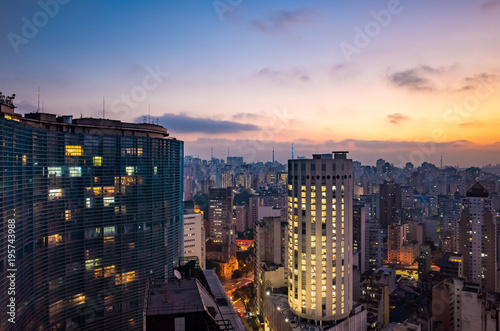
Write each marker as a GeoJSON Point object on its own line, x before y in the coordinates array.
{"type": "Point", "coordinates": [230, 286]}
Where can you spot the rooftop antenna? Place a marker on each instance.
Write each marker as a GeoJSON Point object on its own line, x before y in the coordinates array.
{"type": "Point", "coordinates": [273, 154]}
{"type": "Point", "coordinates": [212, 153]}
{"type": "Point", "coordinates": [38, 107]}
{"type": "Point", "coordinates": [441, 162]}
{"type": "Point", "coordinates": [43, 106]}
{"type": "Point", "coordinates": [149, 114]}
{"type": "Point", "coordinates": [103, 107]}
{"type": "Point", "coordinates": [177, 275]}
{"type": "Point", "coordinates": [292, 151]}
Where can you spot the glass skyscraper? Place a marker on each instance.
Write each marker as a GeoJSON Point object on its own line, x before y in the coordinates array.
{"type": "Point", "coordinates": [97, 208]}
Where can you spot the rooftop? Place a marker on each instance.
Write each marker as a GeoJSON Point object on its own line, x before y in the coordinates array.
{"type": "Point", "coordinates": [90, 125]}
{"type": "Point", "coordinates": [477, 191]}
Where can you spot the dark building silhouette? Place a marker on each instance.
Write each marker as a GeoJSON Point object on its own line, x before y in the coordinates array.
{"type": "Point", "coordinates": [390, 202]}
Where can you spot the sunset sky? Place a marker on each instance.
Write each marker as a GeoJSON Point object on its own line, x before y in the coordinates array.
{"type": "Point", "coordinates": [402, 80]}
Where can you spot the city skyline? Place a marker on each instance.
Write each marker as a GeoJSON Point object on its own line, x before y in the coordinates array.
{"type": "Point", "coordinates": [401, 80]}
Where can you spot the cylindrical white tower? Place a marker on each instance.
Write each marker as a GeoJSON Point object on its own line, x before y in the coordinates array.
{"type": "Point", "coordinates": [320, 236]}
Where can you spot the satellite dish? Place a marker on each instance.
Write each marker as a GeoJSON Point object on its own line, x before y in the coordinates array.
{"type": "Point", "coordinates": [177, 274]}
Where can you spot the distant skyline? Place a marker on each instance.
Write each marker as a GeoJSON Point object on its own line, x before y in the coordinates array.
{"type": "Point", "coordinates": [399, 80]}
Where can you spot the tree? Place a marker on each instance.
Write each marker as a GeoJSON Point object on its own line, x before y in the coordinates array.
{"type": "Point", "coordinates": [237, 274]}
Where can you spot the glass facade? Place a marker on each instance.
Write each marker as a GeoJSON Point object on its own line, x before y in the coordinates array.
{"type": "Point", "coordinates": [95, 211]}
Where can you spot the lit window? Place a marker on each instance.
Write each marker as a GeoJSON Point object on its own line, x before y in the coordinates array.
{"type": "Point", "coordinates": [108, 201]}
{"type": "Point", "coordinates": [67, 215]}
{"type": "Point", "coordinates": [109, 271]}
{"type": "Point", "coordinates": [54, 171]}
{"type": "Point", "coordinates": [97, 161]}
{"type": "Point", "coordinates": [55, 193]}
{"type": "Point", "coordinates": [130, 170]}
{"type": "Point", "coordinates": [55, 239]}
{"type": "Point", "coordinates": [74, 150]}
{"type": "Point", "coordinates": [75, 171]}
{"type": "Point", "coordinates": [109, 230]}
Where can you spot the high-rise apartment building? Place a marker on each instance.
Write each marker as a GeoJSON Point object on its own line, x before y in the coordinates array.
{"type": "Point", "coordinates": [374, 246]}
{"type": "Point", "coordinates": [478, 240]}
{"type": "Point", "coordinates": [396, 236]}
{"type": "Point", "coordinates": [390, 202]}
{"type": "Point", "coordinates": [253, 211]}
{"type": "Point", "coordinates": [320, 237]}
{"type": "Point", "coordinates": [358, 234]}
{"type": "Point", "coordinates": [96, 205]}
{"type": "Point", "coordinates": [241, 218]}
{"type": "Point", "coordinates": [194, 238]}
{"type": "Point", "coordinates": [270, 257]}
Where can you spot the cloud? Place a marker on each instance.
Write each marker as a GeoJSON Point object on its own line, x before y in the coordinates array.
{"type": "Point", "coordinates": [281, 76]}
{"type": "Point", "coordinates": [281, 19]}
{"type": "Point", "coordinates": [415, 78]}
{"type": "Point", "coordinates": [490, 5]}
{"type": "Point", "coordinates": [241, 116]}
{"type": "Point", "coordinates": [397, 118]}
{"type": "Point", "coordinates": [183, 123]}
{"type": "Point", "coordinates": [476, 81]}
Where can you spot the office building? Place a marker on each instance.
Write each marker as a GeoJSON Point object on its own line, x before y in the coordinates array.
{"type": "Point", "coordinates": [320, 237]}
{"type": "Point", "coordinates": [97, 205]}
{"type": "Point", "coordinates": [220, 202]}
{"type": "Point", "coordinates": [478, 240]}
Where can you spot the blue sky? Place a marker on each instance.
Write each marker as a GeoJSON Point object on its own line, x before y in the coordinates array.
{"type": "Point", "coordinates": [270, 73]}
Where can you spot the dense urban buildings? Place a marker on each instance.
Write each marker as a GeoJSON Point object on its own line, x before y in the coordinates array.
{"type": "Point", "coordinates": [97, 208]}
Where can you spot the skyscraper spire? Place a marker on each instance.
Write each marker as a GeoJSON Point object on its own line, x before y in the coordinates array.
{"type": "Point", "coordinates": [292, 151]}
{"type": "Point", "coordinates": [273, 154]}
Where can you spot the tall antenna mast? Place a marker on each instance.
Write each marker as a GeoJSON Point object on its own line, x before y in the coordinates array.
{"type": "Point", "coordinates": [292, 151]}
{"type": "Point", "coordinates": [273, 154]}
{"type": "Point", "coordinates": [212, 159]}
{"type": "Point", "coordinates": [149, 114]}
{"type": "Point", "coordinates": [103, 107]}
{"type": "Point", "coordinates": [38, 107]}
